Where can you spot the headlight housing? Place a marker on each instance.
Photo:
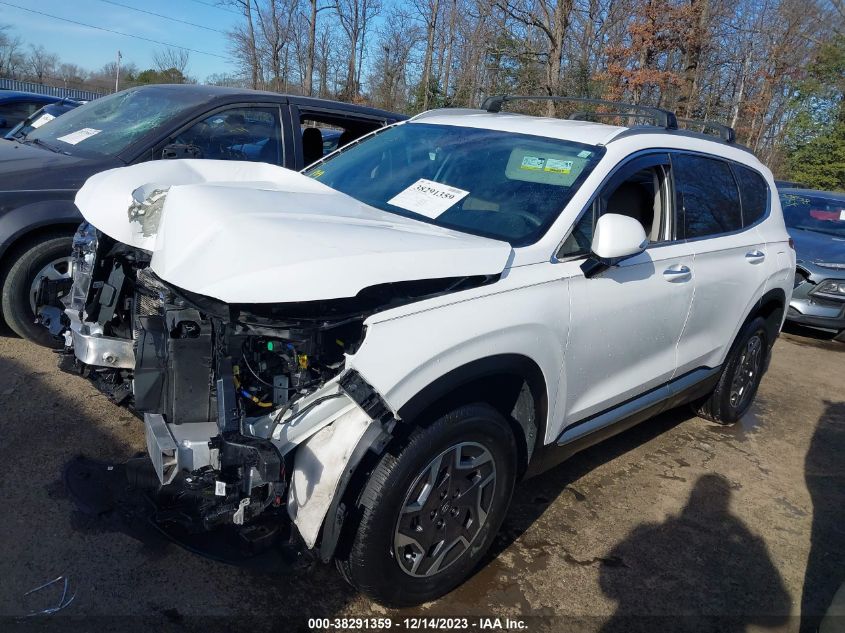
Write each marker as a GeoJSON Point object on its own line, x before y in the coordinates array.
{"type": "Point", "coordinates": [145, 208]}
{"type": "Point", "coordinates": [85, 243]}
{"type": "Point", "coordinates": [830, 288]}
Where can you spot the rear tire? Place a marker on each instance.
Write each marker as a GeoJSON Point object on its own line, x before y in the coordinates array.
{"type": "Point", "coordinates": [448, 485]}
{"type": "Point", "coordinates": [28, 262]}
{"type": "Point", "coordinates": [741, 375]}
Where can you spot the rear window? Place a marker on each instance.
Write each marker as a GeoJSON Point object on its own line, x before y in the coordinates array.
{"type": "Point", "coordinates": [754, 193]}
{"type": "Point", "coordinates": [708, 196]}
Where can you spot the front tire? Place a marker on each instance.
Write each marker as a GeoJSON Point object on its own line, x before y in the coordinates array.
{"type": "Point", "coordinates": [432, 507]}
{"type": "Point", "coordinates": [47, 256]}
{"type": "Point", "coordinates": [740, 377]}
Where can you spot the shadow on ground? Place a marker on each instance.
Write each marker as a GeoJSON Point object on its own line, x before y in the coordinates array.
{"type": "Point", "coordinates": [699, 570]}
{"type": "Point", "coordinates": [138, 583]}
{"type": "Point", "coordinates": [824, 469]}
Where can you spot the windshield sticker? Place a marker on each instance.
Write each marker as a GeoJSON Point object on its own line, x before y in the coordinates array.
{"type": "Point", "coordinates": [80, 135]}
{"type": "Point", "coordinates": [532, 163]}
{"type": "Point", "coordinates": [44, 118]}
{"type": "Point", "coordinates": [584, 153]}
{"type": "Point", "coordinates": [317, 173]}
{"type": "Point", "coordinates": [428, 198]}
{"type": "Point", "coordinates": [558, 166]}
{"type": "Point", "coordinates": [842, 215]}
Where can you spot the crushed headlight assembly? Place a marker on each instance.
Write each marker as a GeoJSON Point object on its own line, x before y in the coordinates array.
{"type": "Point", "coordinates": [146, 206]}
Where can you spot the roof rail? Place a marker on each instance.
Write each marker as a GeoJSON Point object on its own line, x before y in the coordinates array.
{"type": "Point", "coordinates": [725, 132]}
{"type": "Point", "coordinates": [662, 118]}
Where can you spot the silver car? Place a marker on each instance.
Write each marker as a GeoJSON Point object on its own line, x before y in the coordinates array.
{"type": "Point", "coordinates": [816, 222]}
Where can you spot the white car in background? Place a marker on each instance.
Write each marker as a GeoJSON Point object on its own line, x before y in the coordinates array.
{"type": "Point", "coordinates": [370, 354]}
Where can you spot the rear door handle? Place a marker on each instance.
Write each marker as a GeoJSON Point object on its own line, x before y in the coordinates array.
{"type": "Point", "coordinates": [678, 272]}
{"type": "Point", "coordinates": [755, 257]}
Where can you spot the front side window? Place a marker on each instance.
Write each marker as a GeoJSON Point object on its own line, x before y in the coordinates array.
{"type": "Point", "coordinates": [486, 182]}
{"type": "Point", "coordinates": [707, 194]}
{"type": "Point", "coordinates": [638, 190]}
{"type": "Point", "coordinates": [109, 125]}
{"type": "Point", "coordinates": [236, 134]}
{"type": "Point", "coordinates": [814, 213]}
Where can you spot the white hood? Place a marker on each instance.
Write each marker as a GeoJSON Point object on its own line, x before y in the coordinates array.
{"type": "Point", "coordinates": [246, 232]}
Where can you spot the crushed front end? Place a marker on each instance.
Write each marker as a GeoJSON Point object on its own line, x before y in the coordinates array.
{"type": "Point", "coordinates": [96, 312]}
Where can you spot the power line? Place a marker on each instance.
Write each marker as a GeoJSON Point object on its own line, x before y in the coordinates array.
{"type": "Point", "coordinates": [159, 15]}
{"type": "Point", "coordinates": [102, 28]}
{"type": "Point", "coordinates": [217, 6]}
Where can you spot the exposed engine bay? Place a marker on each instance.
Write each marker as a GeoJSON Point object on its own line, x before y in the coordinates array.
{"type": "Point", "coordinates": [238, 352]}
{"type": "Point", "coordinates": [227, 391]}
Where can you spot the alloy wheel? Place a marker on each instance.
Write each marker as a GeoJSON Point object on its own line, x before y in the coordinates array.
{"type": "Point", "coordinates": [444, 510]}
{"type": "Point", "coordinates": [56, 269]}
{"type": "Point", "coordinates": [747, 371]}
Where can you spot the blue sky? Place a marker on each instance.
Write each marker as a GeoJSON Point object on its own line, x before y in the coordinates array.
{"type": "Point", "coordinates": [92, 48]}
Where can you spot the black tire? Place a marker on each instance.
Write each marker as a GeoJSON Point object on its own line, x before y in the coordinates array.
{"type": "Point", "coordinates": [725, 404]}
{"type": "Point", "coordinates": [371, 565]}
{"type": "Point", "coordinates": [27, 262]}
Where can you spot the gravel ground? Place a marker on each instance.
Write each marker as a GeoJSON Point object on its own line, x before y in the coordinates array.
{"type": "Point", "coordinates": [658, 528]}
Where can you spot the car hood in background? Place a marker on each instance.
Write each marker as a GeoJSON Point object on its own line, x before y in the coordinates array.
{"type": "Point", "coordinates": [29, 167]}
{"type": "Point", "coordinates": [814, 247]}
{"type": "Point", "coordinates": [255, 233]}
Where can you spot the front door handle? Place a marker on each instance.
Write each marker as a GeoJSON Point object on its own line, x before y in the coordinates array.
{"type": "Point", "coordinates": [755, 257]}
{"type": "Point", "coordinates": [678, 272]}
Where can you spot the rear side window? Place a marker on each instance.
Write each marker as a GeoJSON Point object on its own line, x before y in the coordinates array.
{"type": "Point", "coordinates": [707, 196]}
{"type": "Point", "coordinates": [754, 193]}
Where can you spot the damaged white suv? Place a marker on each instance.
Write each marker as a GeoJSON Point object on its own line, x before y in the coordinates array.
{"type": "Point", "coordinates": [371, 353]}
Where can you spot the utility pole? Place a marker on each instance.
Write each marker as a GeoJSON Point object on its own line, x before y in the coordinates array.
{"type": "Point", "coordinates": [117, 73]}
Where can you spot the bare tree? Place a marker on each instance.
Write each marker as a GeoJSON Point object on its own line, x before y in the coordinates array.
{"type": "Point", "coordinates": [388, 81]}
{"type": "Point", "coordinates": [353, 16]}
{"type": "Point", "coordinates": [168, 59]}
{"type": "Point", "coordinates": [12, 57]}
{"type": "Point", "coordinates": [41, 63]}
{"type": "Point", "coordinates": [552, 18]}
{"type": "Point", "coordinates": [243, 41]}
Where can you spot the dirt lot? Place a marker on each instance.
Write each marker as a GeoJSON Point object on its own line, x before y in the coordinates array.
{"type": "Point", "coordinates": [677, 517]}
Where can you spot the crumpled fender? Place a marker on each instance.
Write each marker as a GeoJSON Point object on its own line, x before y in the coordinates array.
{"type": "Point", "coordinates": [319, 466]}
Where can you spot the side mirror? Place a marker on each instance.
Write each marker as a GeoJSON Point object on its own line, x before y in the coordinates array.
{"type": "Point", "coordinates": [616, 238]}
{"type": "Point", "coordinates": [181, 150]}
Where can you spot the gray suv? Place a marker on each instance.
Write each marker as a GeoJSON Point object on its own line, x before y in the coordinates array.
{"type": "Point", "coordinates": [816, 222]}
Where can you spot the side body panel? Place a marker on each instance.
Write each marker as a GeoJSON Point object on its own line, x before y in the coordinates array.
{"type": "Point", "coordinates": [526, 313]}
{"type": "Point", "coordinates": [626, 323]}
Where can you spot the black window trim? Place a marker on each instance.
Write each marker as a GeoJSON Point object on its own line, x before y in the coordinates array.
{"type": "Point", "coordinates": [556, 258]}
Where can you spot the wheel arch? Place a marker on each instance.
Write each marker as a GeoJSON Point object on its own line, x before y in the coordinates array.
{"type": "Point", "coordinates": [772, 309]}
{"type": "Point", "coordinates": [512, 383]}
{"type": "Point", "coordinates": [30, 222]}
{"type": "Point", "coordinates": [522, 399]}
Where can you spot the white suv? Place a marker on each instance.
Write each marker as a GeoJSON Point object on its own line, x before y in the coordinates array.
{"type": "Point", "coordinates": [368, 355]}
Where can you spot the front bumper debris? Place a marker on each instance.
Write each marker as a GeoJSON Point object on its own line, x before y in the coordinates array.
{"type": "Point", "coordinates": [175, 447]}
{"type": "Point", "coordinates": [126, 498]}
{"type": "Point", "coordinates": [92, 348]}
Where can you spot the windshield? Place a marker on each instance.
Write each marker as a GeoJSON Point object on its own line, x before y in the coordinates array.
{"type": "Point", "coordinates": [107, 126]}
{"type": "Point", "coordinates": [496, 184]}
{"type": "Point", "coordinates": [39, 118]}
{"type": "Point", "coordinates": [814, 213]}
